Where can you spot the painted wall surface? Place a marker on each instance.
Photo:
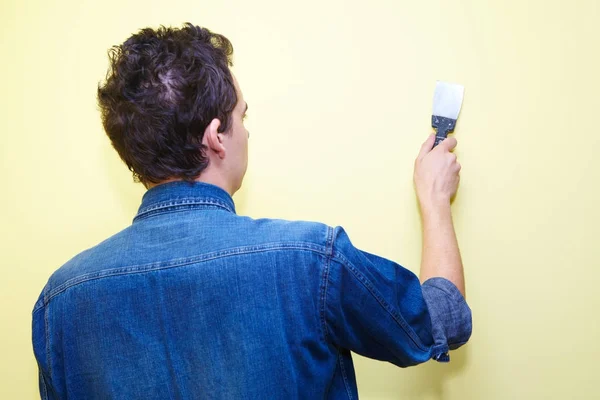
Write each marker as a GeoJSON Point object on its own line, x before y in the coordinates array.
{"type": "Point", "coordinates": [340, 100]}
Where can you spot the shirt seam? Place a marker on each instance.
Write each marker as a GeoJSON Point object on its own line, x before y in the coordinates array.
{"type": "Point", "coordinates": [339, 257]}
{"type": "Point", "coordinates": [176, 263]}
{"type": "Point", "coordinates": [178, 209]}
{"type": "Point", "coordinates": [343, 370]}
{"type": "Point", "coordinates": [324, 286]}
{"type": "Point", "coordinates": [47, 338]}
{"type": "Point", "coordinates": [44, 391]}
{"type": "Point", "coordinates": [182, 200]}
{"type": "Point", "coordinates": [183, 203]}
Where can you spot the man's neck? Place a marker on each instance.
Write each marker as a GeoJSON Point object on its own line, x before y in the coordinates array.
{"type": "Point", "coordinates": [206, 177]}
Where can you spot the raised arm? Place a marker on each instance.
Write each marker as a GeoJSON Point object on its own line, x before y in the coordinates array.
{"type": "Point", "coordinates": [436, 178]}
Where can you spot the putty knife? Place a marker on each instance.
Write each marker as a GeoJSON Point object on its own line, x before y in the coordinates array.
{"type": "Point", "coordinates": [447, 100]}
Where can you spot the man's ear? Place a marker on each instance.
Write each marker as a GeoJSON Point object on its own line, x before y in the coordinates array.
{"type": "Point", "coordinates": [213, 139]}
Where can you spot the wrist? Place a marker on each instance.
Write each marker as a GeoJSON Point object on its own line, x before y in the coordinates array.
{"type": "Point", "coordinates": [435, 210]}
{"type": "Point", "coordinates": [434, 203]}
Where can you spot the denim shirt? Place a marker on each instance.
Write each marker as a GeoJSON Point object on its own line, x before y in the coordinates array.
{"type": "Point", "coordinates": [192, 301]}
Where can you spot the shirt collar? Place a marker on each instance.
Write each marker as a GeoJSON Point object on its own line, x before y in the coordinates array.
{"type": "Point", "coordinates": [184, 193]}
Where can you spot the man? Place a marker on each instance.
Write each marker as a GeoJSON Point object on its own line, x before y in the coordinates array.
{"type": "Point", "coordinates": [193, 301]}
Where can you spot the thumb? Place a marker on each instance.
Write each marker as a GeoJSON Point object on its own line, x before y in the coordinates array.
{"type": "Point", "coordinates": [427, 146]}
{"type": "Point", "coordinates": [448, 144]}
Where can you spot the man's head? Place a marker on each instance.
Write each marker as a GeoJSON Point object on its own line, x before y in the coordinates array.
{"type": "Point", "coordinates": [173, 110]}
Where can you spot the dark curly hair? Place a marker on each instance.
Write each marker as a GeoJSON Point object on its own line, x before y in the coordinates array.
{"type": "Point", "coordinates": [162, 89]}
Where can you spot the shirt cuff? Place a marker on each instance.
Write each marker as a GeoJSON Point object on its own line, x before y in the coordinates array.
{"type": "Point", "coordinates": [450, 315]}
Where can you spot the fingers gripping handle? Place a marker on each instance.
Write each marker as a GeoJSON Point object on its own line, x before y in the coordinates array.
{"type": "Point", "coordinates": [438, 139]}
{"type": "Point", "coordinates": [444, 126]}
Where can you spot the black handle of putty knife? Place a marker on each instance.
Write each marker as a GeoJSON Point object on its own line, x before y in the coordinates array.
{"type": "Point", "coordinates": [444, 126]}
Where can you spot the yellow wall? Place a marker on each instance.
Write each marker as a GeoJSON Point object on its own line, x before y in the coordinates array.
{"type": "Point", "coordinates": [340, 100]}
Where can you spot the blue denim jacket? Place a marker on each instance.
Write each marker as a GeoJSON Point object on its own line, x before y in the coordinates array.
{"type": "Point", "coordinates": [195, 302]}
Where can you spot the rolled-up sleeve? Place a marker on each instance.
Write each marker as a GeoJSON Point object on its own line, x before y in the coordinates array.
{"type": "Point", "coordinates": [379, 309]}
{"type": "Point", "coordinates": [451, 322]}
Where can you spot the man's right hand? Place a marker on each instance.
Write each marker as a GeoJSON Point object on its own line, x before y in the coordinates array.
{"type": "Point", "coordinates": [436, 174]}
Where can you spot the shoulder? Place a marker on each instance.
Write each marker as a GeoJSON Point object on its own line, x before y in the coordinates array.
{"type": "Point", "coordinates": [290, 231]}
{"type": "Point", "coordinates": [82, 264]}
{"type": "Point", "coordinates": [330, 239]}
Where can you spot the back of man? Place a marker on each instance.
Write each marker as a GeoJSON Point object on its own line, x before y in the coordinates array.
{"type": "Point", "coordinates": [194, 301]}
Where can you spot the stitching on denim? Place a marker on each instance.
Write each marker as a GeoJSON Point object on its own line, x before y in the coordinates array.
{"type": "Point", "coordinates": [331, 376]}
{"type": "Point", "coordinates": [397, 316]}
{"type": "Point", "coordinates": [178, 205]}
{"type": "Point", "coordinates": [47, 334]}
{"type": "Point", "coordinates": [344, 375]}
{"type": "Point", "coordinates": [329, 251]}
{"type": "Point", "coordinates": [180, 262]}
{"type": "Point", "coordinates": [183, 201]}
{"type": "Point", "coordinates": [44, 394]}
{"type": "Point", "coordinates": [176, 209]}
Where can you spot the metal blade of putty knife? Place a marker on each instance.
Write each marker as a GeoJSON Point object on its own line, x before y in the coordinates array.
{"type": "Point", "coordinates": [447, 100]}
